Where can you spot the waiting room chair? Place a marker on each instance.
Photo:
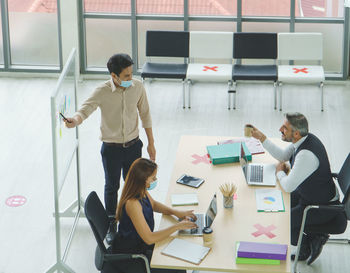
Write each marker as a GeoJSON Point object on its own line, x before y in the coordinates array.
{"type": "Point", "coordinates": [166, 44]}
{"type": "Point", "coordinates": [305, 48]}
{"type": "Point", "coordinates": [209, 50]}
{"type": "Point", "coordinates": [249, 45]}
{"type": "Point", "coordinates": [105, 261]}
{"type": "Point", "coordinates": [341, 212]}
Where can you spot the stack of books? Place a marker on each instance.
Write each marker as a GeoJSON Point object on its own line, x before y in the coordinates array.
{"type": "Point", "coordinates": [260, 253]}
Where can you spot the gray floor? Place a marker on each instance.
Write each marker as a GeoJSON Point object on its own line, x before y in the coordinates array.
{"type": "Point", "coordinates": [28, 233]}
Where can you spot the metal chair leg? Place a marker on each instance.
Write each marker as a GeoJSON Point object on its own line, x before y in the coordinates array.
{"type": "Point", "coordinates": [183, 94]}
{"type": "Point", "coordinates": [280, 94]}
{"type": "Point", "coordinates": [275, 94]}
{"type": "Point", "coordinates": [301, 237]}
{"type": "Point", "coordinates": [189, 82]}
{"type": "Point", "coordinates": [321, 87]}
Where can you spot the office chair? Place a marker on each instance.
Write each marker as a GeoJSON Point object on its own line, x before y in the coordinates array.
{"type": "Point", "coordinates": [341, 212]}
{"type": "Point", "coordinates": [105, 260]}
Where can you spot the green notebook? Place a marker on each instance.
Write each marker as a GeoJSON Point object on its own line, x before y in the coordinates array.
{"type": "Point", "coordinates": [225, 153]}
{"type": "Point", "coordinates": [240, 260]}
{"type": "Point", "coordinates": [245, 151]}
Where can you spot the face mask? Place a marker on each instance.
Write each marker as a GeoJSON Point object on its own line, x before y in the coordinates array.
{"type": "Point", "coordinates": [126, 84]}
{"type": "Point", "coordinates": [152, 185]}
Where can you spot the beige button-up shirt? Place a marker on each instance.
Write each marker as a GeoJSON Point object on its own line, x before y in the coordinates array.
{"type": "Point", "coordinates": [119, 110]}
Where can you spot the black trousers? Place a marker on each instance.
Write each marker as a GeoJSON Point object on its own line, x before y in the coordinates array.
{"type": "Point", "coordinates": [314, 217]}
{"type": "Point", "coordinates": [116, 159]}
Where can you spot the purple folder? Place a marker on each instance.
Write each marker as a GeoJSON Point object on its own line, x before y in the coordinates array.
{"type": "Point", "coordinates": [262, 251]}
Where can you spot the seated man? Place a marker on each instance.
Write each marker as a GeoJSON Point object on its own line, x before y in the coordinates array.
{"type": "Point", "coordinates": [309, 180]}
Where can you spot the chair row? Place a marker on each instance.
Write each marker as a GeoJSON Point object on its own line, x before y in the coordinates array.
{"type": "Point", "coordinates": [223, 56]}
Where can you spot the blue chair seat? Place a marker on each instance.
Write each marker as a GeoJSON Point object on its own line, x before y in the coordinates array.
{"type": "Point", "coordinates": [164, 70]}
{"type": "Point", "coordinates": [254, 72]}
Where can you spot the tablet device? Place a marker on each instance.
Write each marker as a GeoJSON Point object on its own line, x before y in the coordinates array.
{"type": "Point", "coordinates": [189, 180]}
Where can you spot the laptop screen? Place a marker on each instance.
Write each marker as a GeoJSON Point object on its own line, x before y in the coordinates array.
{"type": "Point", "coordinates": [244, 165]}
{"type": "Point", "coordinates": [211, 212]}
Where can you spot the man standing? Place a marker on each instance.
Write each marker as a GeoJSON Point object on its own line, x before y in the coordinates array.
{"type": "Point", "coordinates": [121, 101]}
{"type": "Point", "coordinates": [309, 180]}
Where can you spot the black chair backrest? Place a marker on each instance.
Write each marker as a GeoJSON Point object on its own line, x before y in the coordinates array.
{"type": "Point", "coordinates": [97, 218]}
{"type": "Point", "coordinates": [344, 184]}
{"type": "Point", "coordinates": [252, 45]}
{"type": "Point", "coordinates": [167, 43]}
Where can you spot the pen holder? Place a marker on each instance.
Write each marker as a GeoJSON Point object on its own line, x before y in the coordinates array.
{"type": "Point", "coordinates": [228, 202]}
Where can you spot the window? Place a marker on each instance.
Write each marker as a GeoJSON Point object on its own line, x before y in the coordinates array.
{"type": "Point", "coordinates": [107, 6]}
{"type": "Point", "coordinates": [266, 8]}
{"type": "Point", "coordinates": [33, 32]}
{"type": "Point", "coordinates": [213, 7]}
{"type": "Point", "coordinates": [319, 8]}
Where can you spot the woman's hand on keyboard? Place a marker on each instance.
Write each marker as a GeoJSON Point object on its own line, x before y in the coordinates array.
{"type": "Point", "coordinates": [186, 214]}
{"type": "Point", "coordinates": [186, 224]}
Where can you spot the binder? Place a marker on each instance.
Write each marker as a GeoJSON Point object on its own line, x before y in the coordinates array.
{"type": "Point", "coordinates": [225, 153]}
{"type": "Point", "coordinates": [241, 260]}
{"type": "Point", "coordinates": [262, 250]}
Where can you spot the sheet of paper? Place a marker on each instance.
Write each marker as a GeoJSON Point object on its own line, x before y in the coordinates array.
{"type": "Point", "coordinates": [184, 199]}
{"type": "Point", "coordinates": [269, 200]}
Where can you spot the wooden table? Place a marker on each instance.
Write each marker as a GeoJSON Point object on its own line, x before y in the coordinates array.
{"type": "Point", "coordinates": [230, 225]}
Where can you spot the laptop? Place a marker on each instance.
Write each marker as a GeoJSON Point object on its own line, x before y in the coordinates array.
{"type": "Point", "coordinates": [258, 174]}
{"type": "Point", "coordinates": [203, 220]}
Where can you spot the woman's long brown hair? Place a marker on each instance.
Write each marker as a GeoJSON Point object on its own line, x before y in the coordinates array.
{"type": "Point", "coordinates": [135, 182]}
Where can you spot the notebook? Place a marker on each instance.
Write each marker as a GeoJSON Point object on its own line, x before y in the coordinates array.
{"type": "Point", "coordinates": [203, 220]}
{"type": "Point", "coordinates": [258, 174]}
{"type": "Point", "coordinates": [254, 145]}
{"type": "Point", "coordinates": [187, 251]}
{"type": "Point", "coordinates": [185, 199]}
{"type": "Point", "coordinates": [226, 153]}
{"type": "Point", "coordinates": [262, 250]}
{"type": "Point", "coordinates": [190, 181]}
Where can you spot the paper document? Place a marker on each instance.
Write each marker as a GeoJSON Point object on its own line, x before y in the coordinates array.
{"type": "Point", "coordinates": [185, 199]}
{"type": "Point", "coordinates": [269, 200]}
{"type": "Point", "coordinates": [186, 251]}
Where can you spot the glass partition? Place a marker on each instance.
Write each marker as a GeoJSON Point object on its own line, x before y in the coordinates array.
{"type": "Point", "coordinates": [266, 8]}
{"type": "Point", "coordinates": [107, 6]}
{"type": "Point", "coordinates": [213, 8]}
{"type": "Point", "coordinates": [169, 7]}
{"type": "Point", "coordinates": [319, 8]}
{"type": "Point", "coordinates": [33, 32]}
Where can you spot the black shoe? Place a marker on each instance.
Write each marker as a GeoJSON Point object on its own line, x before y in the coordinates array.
{"type": "Point", "coordinates": [316, 244]}
{"type": "Point", "coordinates": [304, 253]}
{"type": "Point", "coordinates": [112, 232]}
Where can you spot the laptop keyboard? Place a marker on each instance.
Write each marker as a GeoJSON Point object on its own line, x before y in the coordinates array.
{"type": "Point", "coordinates": [256, 173]}
{"type": "Point", "coordinates": [199, 223]}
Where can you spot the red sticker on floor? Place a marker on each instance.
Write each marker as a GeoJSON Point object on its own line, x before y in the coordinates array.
{"type": "Point", "coordinates": [16, 201]}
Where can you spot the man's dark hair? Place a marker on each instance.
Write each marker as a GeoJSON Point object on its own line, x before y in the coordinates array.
{"type": "Point", "coordinates": [118, 62]}
{"type": "Point", "coordinates": [298, 122]}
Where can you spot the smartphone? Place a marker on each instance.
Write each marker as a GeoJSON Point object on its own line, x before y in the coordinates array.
{"type": "Point", "coordinates": [64, 118]}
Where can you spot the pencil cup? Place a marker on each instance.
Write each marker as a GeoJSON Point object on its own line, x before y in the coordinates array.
{"type": "Point", "coordinates": [248, 130]}
{"type": "Point", "coordinates": [228, 202]}
{"type": "Point", "coordinates": [207, 236]}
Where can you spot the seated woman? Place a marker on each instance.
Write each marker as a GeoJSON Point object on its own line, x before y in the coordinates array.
{"type": "Point", "coordinates": [135, 215]}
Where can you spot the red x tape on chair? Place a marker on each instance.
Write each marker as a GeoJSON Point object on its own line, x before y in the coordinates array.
{"type": "Point", "coordinates": [305, 47]}
{"type": "Point", "coordinates": [214, 47]}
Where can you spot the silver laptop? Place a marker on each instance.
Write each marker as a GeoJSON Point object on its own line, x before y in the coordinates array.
{"type": "Point", "coordinates": [258, 174]}
{"type": "Point", "coordinates": [203, 220]}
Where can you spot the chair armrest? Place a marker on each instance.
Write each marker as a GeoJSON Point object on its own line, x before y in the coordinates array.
{"type": "Point", "coordinates": [117, 257]}
{"type": "Point", "coordinates": [335, 175]}
{"type": "Point", "coordinates": [332, 207]}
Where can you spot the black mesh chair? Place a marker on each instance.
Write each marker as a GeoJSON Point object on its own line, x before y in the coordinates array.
{"type": "Point", "coordinates": [166, 44]}
{"type": "Point", "coordinates": [97, 217]}
{"type": "Point", "coordinates": [341, 212]}
{"type": "Point", "coordinates": [250, 45]}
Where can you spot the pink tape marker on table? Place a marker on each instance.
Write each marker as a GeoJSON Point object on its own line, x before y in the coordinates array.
{"type": "Point", "coordinates": [264, 230]}
{"type": "Point", "coordinates": [200, 159]}
{"type": "Point", "coordinates": [15, 201]}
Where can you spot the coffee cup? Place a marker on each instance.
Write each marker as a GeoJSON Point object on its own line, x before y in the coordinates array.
{"type": "Point", "coordinates": [207, 236]}
{"type": "Point", "coordinates": [248, 129]}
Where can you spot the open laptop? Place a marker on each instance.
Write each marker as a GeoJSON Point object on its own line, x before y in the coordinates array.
{"type": "Point", "coordinates": [258, 174]}
{"type": "Point", "coordinates": [203, 220]}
